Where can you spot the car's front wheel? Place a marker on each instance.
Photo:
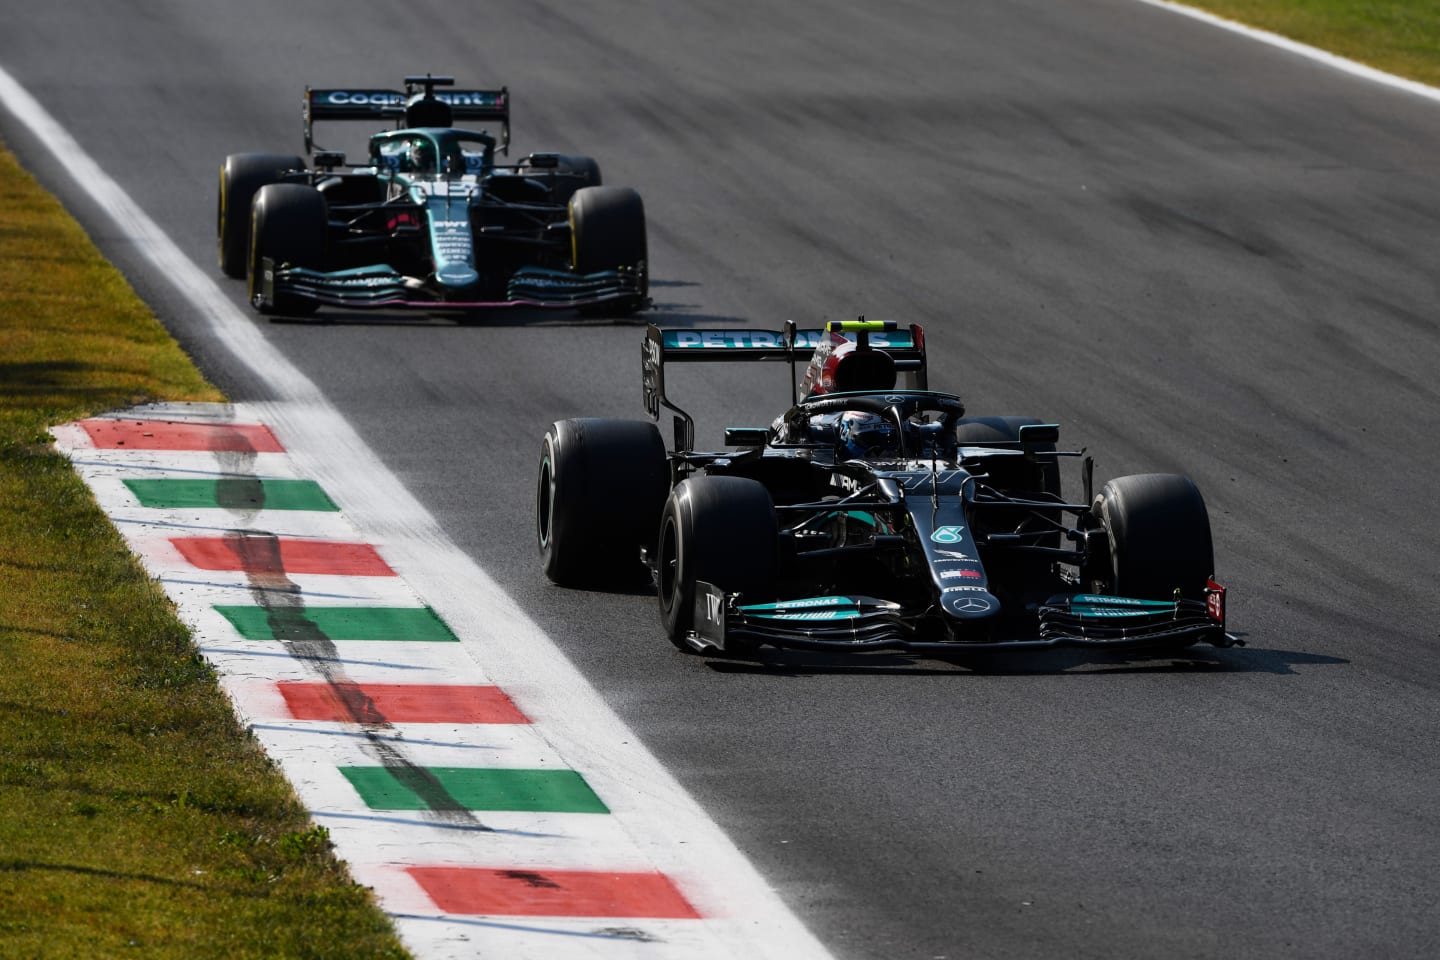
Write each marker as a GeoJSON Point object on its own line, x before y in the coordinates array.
{"type": "Point", "coordinates": [721, 530]}
{"type": "Point", "coordinates": [1157, 532]}
{"type": "Point", "coordinates": [289, 224]}
{"type": "Point", "coordinates": [607, 232]}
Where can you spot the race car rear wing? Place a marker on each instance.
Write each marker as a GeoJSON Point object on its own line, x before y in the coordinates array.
{"type": "Point", "coordinates": [373, 105]}
{"type": "Point", "coordinates": [790, 344]}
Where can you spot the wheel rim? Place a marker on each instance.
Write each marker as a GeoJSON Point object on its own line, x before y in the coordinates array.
{"type": "Point", "coordinates": [668, 566]}
{"type": "Point", "coordinates": [545, 501]}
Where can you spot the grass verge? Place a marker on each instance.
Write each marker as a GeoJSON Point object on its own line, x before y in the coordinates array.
{"type": "Point", "coordinates": [136, 817]}
{"type": "Point", "coordinates": [1398, 36]}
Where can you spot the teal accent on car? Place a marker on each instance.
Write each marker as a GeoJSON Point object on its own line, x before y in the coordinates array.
{"type": "Point", "coordinates": [1095, 605]}
{"type": "Point", "coordinates": [767, 339]}
{"type": "Point", "coordinates": [809, 608]}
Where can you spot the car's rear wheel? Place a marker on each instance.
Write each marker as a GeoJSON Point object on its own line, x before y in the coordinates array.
{"type": "Point", "coordinates": [721, 530]}
{"type": "Point", "coordinates": [289, 224]}
{"type": "Point", "coordinates": [1004, 432]}
{"type": "Point", "coordinates": [1157, 531]}
{"type": "Point", "coordinates": [575, 173]}
{"type": "Point", "coordinates": [607, 232]}
{"type": "Point", "coordinates": [599, 495]}
{"type": "Point", "coordinates": [241, 177]}
{"type": "Point", "coordinates": [1016, 575]}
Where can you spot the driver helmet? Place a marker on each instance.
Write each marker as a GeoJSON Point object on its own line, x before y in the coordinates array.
{"type": "Point", "coordinates": [422, 156]}
{"type": "Point", "coordinates": [866, 435]}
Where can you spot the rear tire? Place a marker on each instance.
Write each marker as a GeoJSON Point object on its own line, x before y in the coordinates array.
{"type": "Point", "coordinates": [721, 530]}
{"type": "Point", "coordinates": [607, 232]}
{"type": "Point", "coordinates": [241, 177]}
{"type": "Point", "coordinates": [290, 224]}
{"type": "Point", "coordinates": [1158, 533]}
{"type": "Point", "coordinates": [601, 489]}
{"type": "Point", "coordinates": [1017, 577]}
{"type": "Point", "coordinates": [575, 173]}
{"type": "Point", "coordinates": [1005, 432]}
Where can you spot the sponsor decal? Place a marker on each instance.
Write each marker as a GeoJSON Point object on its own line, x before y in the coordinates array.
{"type": "Point", "coordinates": [1215, 605]}
{"type": "Point", "coordinates": [389, 98]}
{"type": "Point", "coordinates": [1097, 612]}
{"type": "Point", "coordinates": [452, 238]}
{"type": "Point", "coordinates": [810, 602]}
{"type": "Point", "coordinates": [849, 614]}
{"type": "Point", "coordinates": [963, 589]}
{"type": "Point", "coordinates": [848, 484]}
{"type": "Point", "coordinates": [971, 605]}
{"type": "Point", "coordinates": [361, 278]}
{"type": "Point", "coordinates": [712, 607]}
{"type": "Point", "coordinates": [948, 534]}
{"type": "Point", "coordinates": [1121, 601]}
{"type": "Point", "coordinates": [952, 574]}
{"type": "Point", "coordinates": [720, 339]}
{"type": "Point", "coordinates": [953, 556]}
{"type": "Point", "coordinates": [363, 98]}
{"type": "Point", "coordinates": [926, 478]}
{"type": "Point", "coordinates": [758, 339]}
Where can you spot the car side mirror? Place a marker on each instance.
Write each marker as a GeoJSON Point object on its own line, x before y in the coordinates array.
{"type": "Point", "coordinates": [746, 436]}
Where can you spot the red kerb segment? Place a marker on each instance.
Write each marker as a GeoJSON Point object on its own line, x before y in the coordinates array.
{"type": "Point", "coordinates": [402, 703]}
{"type": "Point", "coordinates": [553, 893]}
{"type": "Point", "coordinates": [281, 555]}
{"type": "Point", "coordinates": [163, 435]}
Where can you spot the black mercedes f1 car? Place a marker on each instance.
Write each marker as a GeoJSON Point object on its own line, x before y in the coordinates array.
{"type": "Point", "coordinates": [870, 516]}
{"type": "Point", "coordinates": [431, 220]}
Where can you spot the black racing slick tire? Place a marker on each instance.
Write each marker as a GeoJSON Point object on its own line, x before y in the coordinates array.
{"type": "Point", "coordinates": [1158, 534]}
{"type": "Point", "coordinates": [600, 491]}
{"type": "Point", "coordinates": [575, 173]}
{"type": "Point", "coordinates": [241, 177]}
{"type": "Point", "coordinates": [1005, 432]}
{"type": "Point", "coordinates": [607, 232]}
{"type": "Point", "coordinates": [721, 530]}
{"type": "Point", "coordinates": [289, 224]}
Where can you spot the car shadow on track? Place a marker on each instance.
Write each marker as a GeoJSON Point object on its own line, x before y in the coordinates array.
{"type": "Point", "coordinates": [995, 663]}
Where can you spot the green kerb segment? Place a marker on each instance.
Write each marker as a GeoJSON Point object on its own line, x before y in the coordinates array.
{"type": "Point", "coordinates": [339, 623]}
{"type": "Point", "coordinates": [548, 791]}
{"type": "Point", "coordinates": [237, 493]}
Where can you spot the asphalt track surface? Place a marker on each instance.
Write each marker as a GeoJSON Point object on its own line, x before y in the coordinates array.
{"type": "Point", "coordinates": [1197, 253]}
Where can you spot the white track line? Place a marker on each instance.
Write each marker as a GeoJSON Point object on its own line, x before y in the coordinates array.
{"type": "Point", "coordinates": [661, 818]}
{"type": "Point", "coordinates": [1293, 46]}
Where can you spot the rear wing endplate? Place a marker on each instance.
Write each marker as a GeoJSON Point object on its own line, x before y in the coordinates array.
{"type": "Point", "coordinates": [381, 105]}
{"type": "Point", "coordinates": [791, 344]}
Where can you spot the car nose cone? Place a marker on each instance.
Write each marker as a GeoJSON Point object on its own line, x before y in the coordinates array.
{"type": "Point", "coordinates": [969, 604]}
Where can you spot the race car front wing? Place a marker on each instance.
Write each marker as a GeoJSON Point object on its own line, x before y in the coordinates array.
{"type": "Point", "coordinates": [381, 286]}
{"type": "Point", "coordinates": [724, 623]}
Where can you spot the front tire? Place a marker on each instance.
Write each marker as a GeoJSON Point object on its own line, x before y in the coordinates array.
{"type": "Point", "coordinates": [289, 223]}
{"type": "Point", "coordinates": [1158, 533]}
{"type": "Point", "coordinates": [721, 530]}
{"type": "Point", "coordinates": [607, 232]}
{"type": "Point", "coordinates": [241, 177]}
{"type": "Point", "coordinates": [600, 490]}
